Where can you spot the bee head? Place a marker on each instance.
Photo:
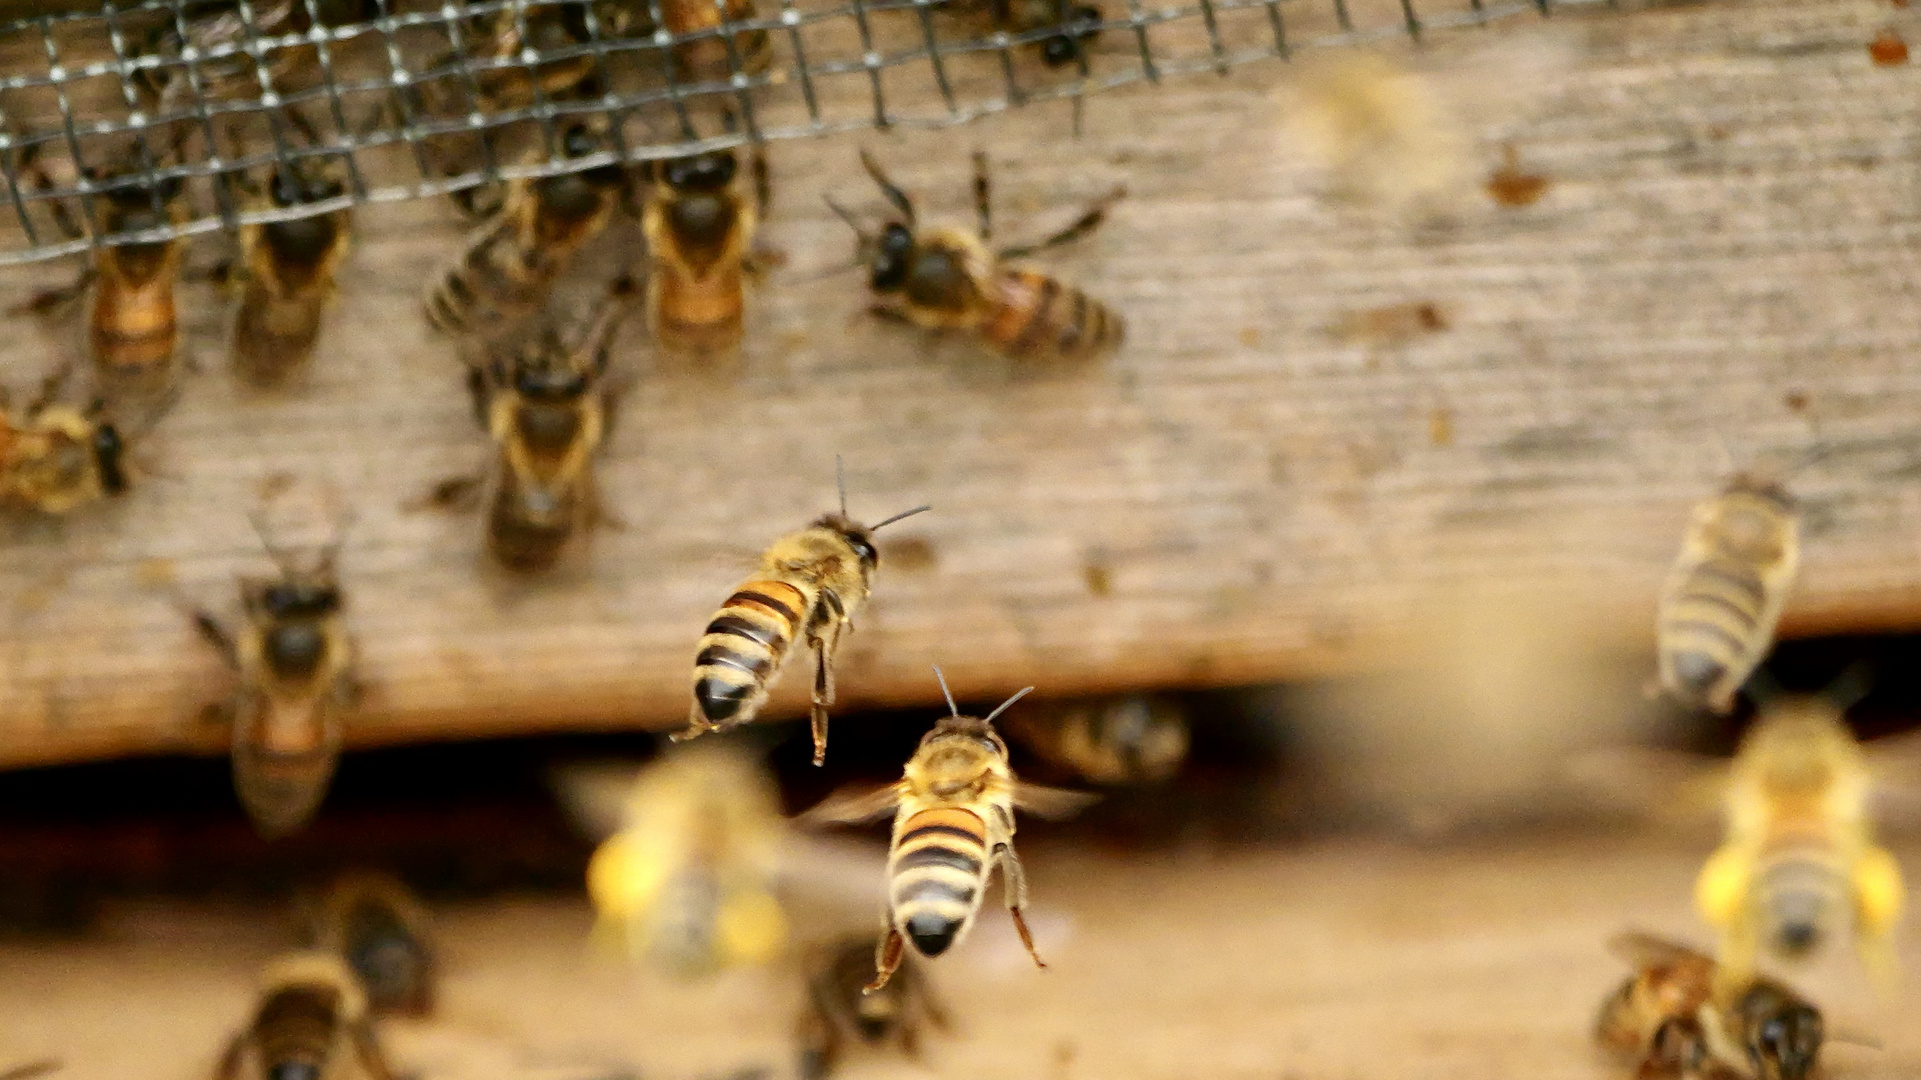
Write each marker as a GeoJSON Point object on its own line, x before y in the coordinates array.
{"type": "Point", "coordinates": [1786, 1043]}
{"type": "Point", "coordinates": [108, 451]}
{"type": "Point", "coordinates": [893, 253]}
{"type": "Point", "coordinates": [1081, 25]}
{"type": "Point", "coordinates": [293, 187]}
{"type": "Point", "coordinates": [297, 599]}
{"type": "Point", "coordinates": [711, 171]}
{"type": "Point", "coordinates": [857, 536]}
{"type": "Point", "coordinates": [969, 732]}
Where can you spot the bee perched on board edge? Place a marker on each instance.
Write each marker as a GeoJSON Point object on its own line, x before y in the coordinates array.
{"type": "Point", "coordinates": [948, 279]}
{"type": "Point", "coordinates": [380, 929]}
{"type": "Point", "coordinates": [294, 662]}
{"type": "Point", "coordinates": [1133, 739]}
{"type": "Point", "coordinates": [286, 270]}
{"type": "Point", "coordinates": [1680, 1018]}
{"type": "Point", "coordinates": [812, 583]}
{"type": "Point", "coordinates": [55, 458]}
{"type": "Point", "coordinates": [953, 825]}
{"type": "Point", "coordinates": [700, 229]}
{"type": "Point", "coordinates": [839, 1009]}
{"type": "Point", "coordinates": [1722, 599]}
{"type": "Point", "coordinates": [311, 1023]}
{"type": "Point", "coordinates": [548, 409]}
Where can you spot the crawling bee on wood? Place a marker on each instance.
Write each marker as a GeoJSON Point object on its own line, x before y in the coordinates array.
{"type": "Point", "coordinates": [1679, 1017]}
{"type": "Point", "coordinates": [949, 279]}
{"type": "Point", "coordinates": [699, 229]}
{"type": "Point", "coordinates": [840, 1010]}
{"type": "Point", "coordinates": [295, 661]}
{"type": "Point", "coordinates": [810, 583]}
{"type": "Point", "coordinates": [55, 458]}
{"type": "Point", "coordinates": [311, 1023]}
{"type": "Point", "coordinates": [287, 271]}
{"type": "Point", "coordinates": [376, 924]}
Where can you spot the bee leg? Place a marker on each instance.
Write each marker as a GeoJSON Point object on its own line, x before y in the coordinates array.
{"type": "Point", "coordinates": [214, 634]}
{"type": "Point", "coordinates": [763, 183]}
{"type": "Point", "coordinates": [823, 694]}
{"type": "Point", "coordinates": [50, 388]}
{"type": "Point", "coordinates": [54, 303]}
{"type": "Point", "coordinates": [983, 193]}
{"type": "Point", "coordinates": [1090, 219]}
{"type": "Point", "coordinates": [456, 493]}
{"type": "Point", "coordinates": [1014, 886]}
{"type": "Point", "coordinates": [887, 958]}
{"type": "Point", "coordinates": [229, 1067]}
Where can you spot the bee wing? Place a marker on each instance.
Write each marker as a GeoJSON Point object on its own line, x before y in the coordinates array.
{"type": "Point", "coordinates": [594, 794]}
{"type": "Point", "coordinates": [850, 806]}
{"type": "Point", "coordinates": [1667, 786]}
{"type": "Point", "coordinates": [1642, 950]}
{"type": "Point", "coordinates": [1051, 802]}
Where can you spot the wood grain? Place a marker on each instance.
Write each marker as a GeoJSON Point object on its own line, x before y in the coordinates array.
{"type": "Point", "coordinates": [1722, 270]}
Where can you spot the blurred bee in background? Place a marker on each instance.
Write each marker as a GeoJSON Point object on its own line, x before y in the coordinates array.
{"type": "Point", "coordinates": [32, 1069]}
{"type": "Point", "coordinates": [1681, 1017]}
{"type": "Point", "coordinates": [949, 279]}
{"type": "Point", "coordinates": [688, 879]}
{"type": "Point", "coordinates": [839, 1009]}
{"type": "Point", "coordinates": [713, 55]}
{"type": "Point", "coordinates": [1724, 596]}
{"type": "Point", "coordinates": [287, 271]}
{"type": "Point", "coordinates": [55, 458]}
{"type": "Point", "coordinates": [222, 28]}
{"type": "Point", "coordinates": [1385, 135]}
{"type": "Point", "coordinates": [311, 1024]}
{"type": "Point", "coordinates": [294, 660]}
{"type": "Point", "coordinates": [1133, 739]}
{"type": "Point", "coordinates": [699, 230]}
{"type": "Point", "coordinates": [508, 267]}
{"type": "Point", "coordinates": [377, 925]}
{"type": "Point", "coordinates": [953, 824]}
{"type": "Point", "coordinates": [1077, 24]}
{"type": "Point", "coordinates": [548, 410]}
{"type": "Point", "coordinates": [812, 582]}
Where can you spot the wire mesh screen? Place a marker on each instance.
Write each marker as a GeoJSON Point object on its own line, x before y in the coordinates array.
{"type": "Point", "coordinates": [171, 117]}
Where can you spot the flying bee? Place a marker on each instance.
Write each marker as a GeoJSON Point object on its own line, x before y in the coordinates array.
{"type": "Point", "coordinates": [699, 228]}
{"type": "Point", "coordinates": [380, 929]}
{"type": "Point", "coordinates": [839, 1010]}
{"type": "Point", "coordinates": [688, 879]}
{"type": "Point", "coordinates": [509, 264]}
{"type": "Point", "coordinates": [55, 458]}
{"type": "Point", "coordinates": [1679, 1015]}
{"type": "Point", "coordinates": [812, 583]}
{"type": "Point", "coordinates": [294, 661]}
{"type": "Point", "coordinates": [1134, 739]}
{"type": "Point", "coordinates": [709, 55]}
{"type": "Point", "coordinates": [287, 270]}
{"type": "Point", "coordinates": [953, 824]}
{"type": "Point", "coordinates": [311, 1024]}
{"type": "Point", "coordinates": [948, 279]}
{"type": "Point", "coordinates": [1724, 596]}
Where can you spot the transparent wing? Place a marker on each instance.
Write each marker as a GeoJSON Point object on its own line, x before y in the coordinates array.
{"type": "Point", "coordinates": [1049, 802]}
{"type": "Point", "coordinates": [1642, 949]}
{"type": "Point", "coordinates": [1895, 763]}
{"type": "Point", "coordinates": [852, 806]}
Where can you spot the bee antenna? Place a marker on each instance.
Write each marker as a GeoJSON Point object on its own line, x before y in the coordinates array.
{"type": "Point", "coordinates": [840, 481]}
{"type": "Point", "coordinates": [897, 517]}
{"type": "Point", "coordinates": [887, 187]}
{"type": "Point", "coordinates": [852, 222]}
{"type": "Point", "coordinates": [946, 693]}
{"type": "Point", "coordinates": [274, 551]}
{"type": "Point", "coordinates": [1003, 706]}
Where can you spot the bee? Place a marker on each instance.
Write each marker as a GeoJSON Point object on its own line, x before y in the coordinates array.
{"type": "Point", "coordinates": [508, 267]}
{"type": "Point", "coordinates": [548, 412]}
{"type": "Point", "coordinates": [287, 273]}
{"type": "Point", "coordinates": [1800, 855]}
{"type": "Point", "coordinates": [949, 279]}
{"type": "Point", "coordinates": [311, 1024]}
{"type": "Point", "coordinates": [55, 458]}
{"type": "Point", "coordinates": [380, 929]}
{"type": "Point", "coordinates": [295, 660]}
{"type": "Point", "coordinates": [1077, 25]}
{"type": "Point", "coordinates": [1724, 596]}
{"type": "Point", "coordinates": [838, 1010]}
{"type": "Point", "coordinates": [1135, 739]}
{"type": "Point", "coordinates": [1682, 1017]}
{"type": "Point", "coordinates": [953, 825]}
{"type": "Point", "coordinates": [698, 228]}
{"type": "Point", "coordinates": [812, 582]}
{"type": "Point", "coordinates": [710, 55]}
{"type": "Point", "coordinates": [688, 880]}
{"type": "Point", "coordinates": [217, 35]}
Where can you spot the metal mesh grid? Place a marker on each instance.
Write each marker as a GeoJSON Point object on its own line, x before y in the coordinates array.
{"type": "Point", "coordinates": [167, 118]}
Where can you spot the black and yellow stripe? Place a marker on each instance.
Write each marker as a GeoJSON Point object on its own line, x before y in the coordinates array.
{"type": "Point", "coordinates": [294, 1032]}
{"type": "Point", "coordinates": [1711, 633]}
{"type": "Point", "coordinates": [1800, 889]}
{"type": "Point", "coordinates": [743, 648]}
{"type": "Point", "coordinates": [936, 872]}
{"type": "Point", "coordinates": [1036, 315]}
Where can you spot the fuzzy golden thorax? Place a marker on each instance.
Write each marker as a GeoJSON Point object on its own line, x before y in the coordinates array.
{"type": "Point", "coordinates": [1751, 526]}
{"type": "Point", "coordinates": [834, 552]}
{"type": "Point", "coordinates": [962, 759]}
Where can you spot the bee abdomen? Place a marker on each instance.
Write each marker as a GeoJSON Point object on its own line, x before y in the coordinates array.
{"type": "Point", "coordinates": [273, 336]}
{"type": "Point", "coordinates": [743, 646]}
{"type": "Point", "coordinates": [936, 872]}
{"type": "Point", "coordinates": [294, 1031]}
{"type": "Point", "coordinates": [1711, 629]}
{"type": "Point", "coordinates": [1798, 891]}
{"type": "Point", "coordinates": [1036, 315]}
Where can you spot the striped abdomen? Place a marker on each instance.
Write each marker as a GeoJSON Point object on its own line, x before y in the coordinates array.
{"type": "Point", "coordinates": [1716, 622]}
{"type": "Point", "coordinates": [935, 875]}
{"type": "Point", "coordinates": [707, 57]}
{"type": "Point", "coordinates": [294, 1031]}
{"type": "Point", "coordinates": [1799, 891]}
{"type": "Point", "coordinates": [133, 324]}
{"type": "Point", "coordinates": [492, 281]}
{"type": "Point", "coordinates": [742, 650]}
{"type": "Point", "coordinates": [697, 315]}
{"type": "Point", "coordinates": [284, 754]}
{"type": "Point", "coordinates": [1033, 315]}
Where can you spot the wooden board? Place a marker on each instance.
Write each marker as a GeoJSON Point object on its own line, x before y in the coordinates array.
{"type": "Point", "coordinates": [1723, 270]}
{"type": "Point", "coordinates": [1349, 958]}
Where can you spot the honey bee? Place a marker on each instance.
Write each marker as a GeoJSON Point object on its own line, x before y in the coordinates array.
{"type": "Point", "coordinates": [311, 1024]}
{"type": "Point", "coordinates": [811, 582]}
{"type": "Point", "coordinates": [953, 824]}
{"type": "Point", "coordinates": [1077, 25]}
{"type": "Point", "coordinates": [216, 34]}
{"type": "Point", "coordinates": [1681, 1017]}
{"type": "Point", "coordinates": [1724, 596]}
{"type": "Point", "coordinates": [1135, 739]}
{"type": "Point", "coordinates": [838, 1010]}
{"type": "Point", "coordinates": [55, 458]}
{"type": "Point", "coordinates": [548, 412]}
{"type": "Point", "coordinates": [380, 929]}
{"type": "Point", "coordinates": [688, 880]}
{"type": "Point", "coordinates": [509, 264]}
{"type": "Point", "coordinates": [287, 273]}
{"type": "Point", "coordinates": [698, 228]}
{"type": "Point", "coordinates": [949, 279]}
{"type": "Point", "coordinates": [294, 660]}
{"type": "Point", "coordinates": [710, 55]}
